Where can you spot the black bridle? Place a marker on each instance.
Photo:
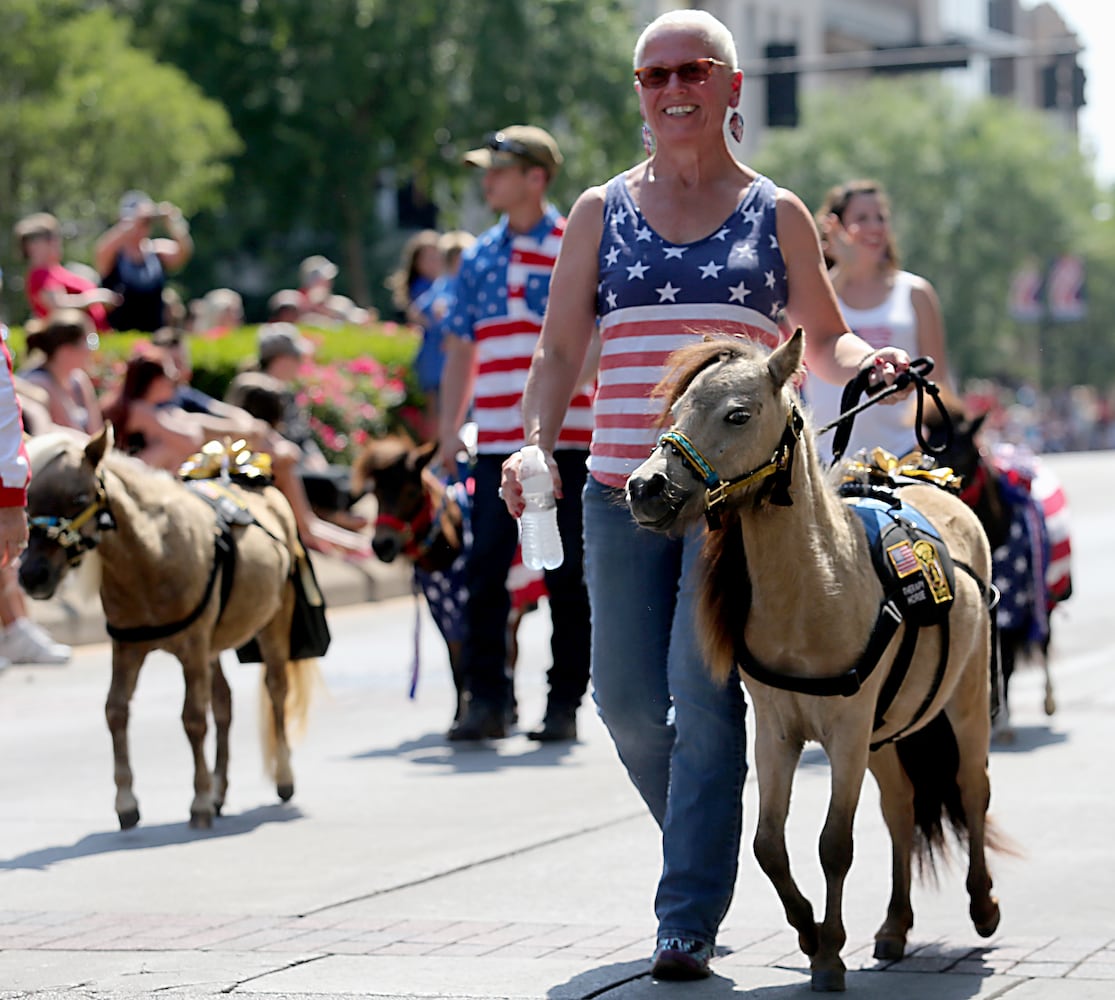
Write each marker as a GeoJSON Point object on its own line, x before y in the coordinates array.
{"type": "Point", "coordinates": [66, 531]}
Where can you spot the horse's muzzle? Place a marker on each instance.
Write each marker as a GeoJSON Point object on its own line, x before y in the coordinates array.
{"type": "Point", "coordinates": [36, 576]}
{"type": "Point", "coordinates": [651, 501]}
{"type": "Point", "coordinates": [386, 547]}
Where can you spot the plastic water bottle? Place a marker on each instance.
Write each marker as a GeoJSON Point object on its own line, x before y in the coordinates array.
{"type": "Point", "coordinates": [538, 527]}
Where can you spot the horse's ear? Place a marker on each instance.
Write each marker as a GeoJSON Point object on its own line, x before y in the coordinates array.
{"type": "Point", "coordinates": [785, 361]}
{"type": "Point", "coordinates": [420, 457]}
{"type": "Point", "coordinates": [975, 425]}
{"type": "Point", "coordinates": [99, 446]}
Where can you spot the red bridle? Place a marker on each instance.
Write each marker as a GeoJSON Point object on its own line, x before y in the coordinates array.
{"type": "Point", "coordinates": [415, 532]}
{"type": "Point", "coordinates": [972, 492]}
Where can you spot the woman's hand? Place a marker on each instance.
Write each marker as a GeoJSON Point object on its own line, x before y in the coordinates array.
{"type": "Point", "coordinates": [836, 239]}
{"type": "Point", "coordinates": [884, 367]}
{"type": "Point", "coordinates": [13, 534]}
{"type": "Point", "coordinates": [511, 487]}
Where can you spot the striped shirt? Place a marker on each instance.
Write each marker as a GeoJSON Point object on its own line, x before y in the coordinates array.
{"type": "Point", "coordinates": [655, 296]}
{"type": "Point", "coordinates": [502, 289]}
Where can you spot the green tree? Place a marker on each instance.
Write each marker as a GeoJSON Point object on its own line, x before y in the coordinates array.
{"type": "Point", "coordinates": [977, 186]}
{"type": "Point", "coordinates": [339, 102]}
{"type": "Point", "coordinates": [85, 116]}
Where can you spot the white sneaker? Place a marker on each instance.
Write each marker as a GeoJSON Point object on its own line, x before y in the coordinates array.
{"type": "Point", "coordinates": [25, 642]}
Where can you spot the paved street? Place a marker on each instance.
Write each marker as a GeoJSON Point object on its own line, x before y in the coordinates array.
{"type": "Point", "coordinates": [404, 867]}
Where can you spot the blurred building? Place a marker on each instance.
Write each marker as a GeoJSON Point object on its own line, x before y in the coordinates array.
{"type": "Point", "coordinates": [997, 47]}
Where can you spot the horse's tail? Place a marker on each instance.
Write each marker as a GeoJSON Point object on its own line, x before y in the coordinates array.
{"type": "Point", "coordinates": [931, 759]}
{"type": "Point", "coordinates": [303, 677]}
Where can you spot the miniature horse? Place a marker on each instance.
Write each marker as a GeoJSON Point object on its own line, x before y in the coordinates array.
{"type": "Point", "coordinates": [167, 583]}
{"type": "Point", "coordinates": [423, 519]}
{"type": "Point", "coordinates": [791, 597]}
{"type": "Point", "coordinates": [1015, 523]}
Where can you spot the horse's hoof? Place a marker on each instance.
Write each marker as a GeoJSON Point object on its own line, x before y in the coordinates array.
{"type": "Point", "coordinates": [890, 949]}
{"type": "Point", "coordinates": [827, 981]}
{"type": "Point", "coordinates": [987, 927]}
{"type": "Point", "coordinates": [200, 820]}
{"type": "Point", "coordinates": [286, 792]}
{"type": "Point", "coordinates": [217, 807]}
{"type": "Point", "coordinates": [128, 819]}
{"type": "Point", "coordinates": [1050, 705]}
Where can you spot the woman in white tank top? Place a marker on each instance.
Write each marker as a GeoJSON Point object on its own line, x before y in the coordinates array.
{"type": "Point", "coordinates": [882, 304]}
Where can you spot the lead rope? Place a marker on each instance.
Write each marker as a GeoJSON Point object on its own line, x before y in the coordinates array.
{"type": "Point", "coordinates": [412, 691]}
{"type": "Point", "coordinates": [850, 406]}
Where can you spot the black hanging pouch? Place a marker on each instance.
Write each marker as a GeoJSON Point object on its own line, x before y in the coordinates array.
{"type": "Point", "coordinates": [309, 630]}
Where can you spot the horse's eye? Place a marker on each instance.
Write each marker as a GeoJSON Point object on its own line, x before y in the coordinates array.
{"type": "Point", "coordinates": [739, 417]}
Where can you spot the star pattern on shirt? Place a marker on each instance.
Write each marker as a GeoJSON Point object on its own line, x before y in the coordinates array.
{"type": "Point", "coordinates": [744, 252]}
{"type": "Point", "coordinates": [739, 292]}
{"type": "Point", "coordinates": [731, 266]}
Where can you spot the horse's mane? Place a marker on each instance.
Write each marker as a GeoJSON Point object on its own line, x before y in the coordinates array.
{"type": "Point", "coordinates": [687, 362]}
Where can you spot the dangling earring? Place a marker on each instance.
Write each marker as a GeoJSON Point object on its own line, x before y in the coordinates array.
{"type": "Point", "coordinates": [648, 140]}
{"type": "Point", "coordinates": [735, 126]}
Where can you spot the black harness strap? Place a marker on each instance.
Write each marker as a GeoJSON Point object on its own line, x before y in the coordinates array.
{"type": "Point", "coordinates": [224, 558]}
{"type": "Point", "coordinates": [938, 680]}
{"type": "Point", "coordinates": [846, 684]}
{"type": "Point", "coordinates": [850, 681]}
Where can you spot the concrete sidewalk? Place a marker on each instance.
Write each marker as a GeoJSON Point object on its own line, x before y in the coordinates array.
{"type": "Point", "coordinates": [408, 868]}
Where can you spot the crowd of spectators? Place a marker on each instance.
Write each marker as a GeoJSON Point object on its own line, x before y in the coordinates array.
{"type": "Point", "coordinates": [156, 413]}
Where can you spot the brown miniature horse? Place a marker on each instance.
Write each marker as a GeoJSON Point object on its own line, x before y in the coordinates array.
{"type": "Point", "coordinates": [791, 596]}
{"type": "Point", "coordinates": [161, 588]}
{"type": "Point", "coordinates": [421, 519]}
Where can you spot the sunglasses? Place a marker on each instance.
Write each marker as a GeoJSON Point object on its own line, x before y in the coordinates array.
{"type": "Point", "coordinates": [497, 142]}
{"type": "Point", "coordinates": [695, 71]}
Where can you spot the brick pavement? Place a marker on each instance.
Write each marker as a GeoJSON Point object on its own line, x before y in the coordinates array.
{"type": "Point", "coordinates": [321, 935]}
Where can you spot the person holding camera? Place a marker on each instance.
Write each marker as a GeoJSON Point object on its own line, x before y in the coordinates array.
{"type": "Point", "coordinates": [134, 264]}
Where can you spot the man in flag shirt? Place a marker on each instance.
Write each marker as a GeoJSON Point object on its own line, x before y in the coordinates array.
{"type": "Point", "coordinates": [502, 289]}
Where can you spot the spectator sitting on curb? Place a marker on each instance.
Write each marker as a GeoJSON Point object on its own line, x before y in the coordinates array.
{"type": "Point", "coordinates": [282, 350]}
{"type": "Point", "coordinates": [59, 348]}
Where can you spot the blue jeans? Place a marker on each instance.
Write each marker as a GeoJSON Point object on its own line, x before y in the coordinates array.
{"type": "Point", "coordinates": [680, 735]}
